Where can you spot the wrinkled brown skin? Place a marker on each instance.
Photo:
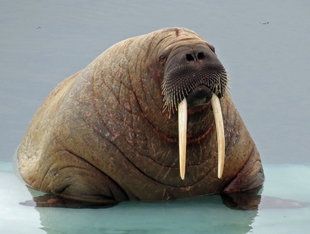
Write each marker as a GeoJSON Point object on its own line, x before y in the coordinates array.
{"type": "Point", "coordinates": [102, 135]}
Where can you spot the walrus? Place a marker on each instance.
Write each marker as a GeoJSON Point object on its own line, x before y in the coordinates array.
{"type": "Point", "coordinates": [150, 119]}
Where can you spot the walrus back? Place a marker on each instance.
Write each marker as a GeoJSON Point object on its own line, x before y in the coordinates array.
{"type": "Point", "coordinates": [36, 138]}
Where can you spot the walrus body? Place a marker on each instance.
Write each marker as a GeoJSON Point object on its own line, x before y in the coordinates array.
{"type": "Point", "coordinates": [103, 134]}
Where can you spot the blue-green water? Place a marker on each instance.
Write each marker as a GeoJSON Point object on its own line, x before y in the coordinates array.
{"type": "Point", "coordinates": [263, 44]}
{"type": "Point", "coordinates": [200, 215]}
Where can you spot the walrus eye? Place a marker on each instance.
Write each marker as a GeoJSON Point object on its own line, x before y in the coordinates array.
{"type": "Point", "coordinates": [162, 58]}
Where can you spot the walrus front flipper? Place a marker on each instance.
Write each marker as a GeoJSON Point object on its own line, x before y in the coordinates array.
{"type": "Point", "coordinates": [248, 200]}
{"type": "Point", "coordinates": [252, 200]}
{"type": "Point", "coordinates": [251, 175]}
{"type": "Point", "coordinates": [50, 200]}
{"type": "Point", "coordinates": [243, 191]}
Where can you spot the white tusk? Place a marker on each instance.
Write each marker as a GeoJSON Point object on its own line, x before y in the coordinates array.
{"type": "Point", "coordinates": [182, 120]}
{"type": "Point", "coordinates": [215, 102]}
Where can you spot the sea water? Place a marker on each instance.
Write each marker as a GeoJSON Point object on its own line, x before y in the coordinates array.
{"type": "Point", "coordinates": [199, 215]}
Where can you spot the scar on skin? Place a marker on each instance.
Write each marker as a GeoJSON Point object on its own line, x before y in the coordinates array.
{"type": "Point", "coordinates": [176, 32]}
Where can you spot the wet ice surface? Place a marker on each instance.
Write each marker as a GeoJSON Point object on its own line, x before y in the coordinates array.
{"type": "Point", "coordinates": [199, 215]}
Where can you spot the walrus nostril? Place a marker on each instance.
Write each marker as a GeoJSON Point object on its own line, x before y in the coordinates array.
{"type": "Point", "coordinates": [189, 57]}
{"type": "Point", "coordinates": [201, 55]}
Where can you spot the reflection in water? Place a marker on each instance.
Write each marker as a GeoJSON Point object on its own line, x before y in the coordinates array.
{"type": "Point", "coordinates": [41, 199]}
{"type": "Point", "coordinates": [199, 215]}
{"type": "Point", "coordinates": [248, 200]}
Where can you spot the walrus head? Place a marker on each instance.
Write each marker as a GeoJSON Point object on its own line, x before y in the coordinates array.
{"type": "Point", "coordinates": [194, 76]}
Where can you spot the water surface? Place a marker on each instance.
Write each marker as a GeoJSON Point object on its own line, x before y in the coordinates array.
{"type": "Point", "coordinates": [199, 215]}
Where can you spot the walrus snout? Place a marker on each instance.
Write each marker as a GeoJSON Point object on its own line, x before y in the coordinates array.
{"type": "Point", "coordinates": [200, 55]}
{"type": "Point", "coordinates": [190, 67]}
{"type": "Point", "coordinates": [196, 57]}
